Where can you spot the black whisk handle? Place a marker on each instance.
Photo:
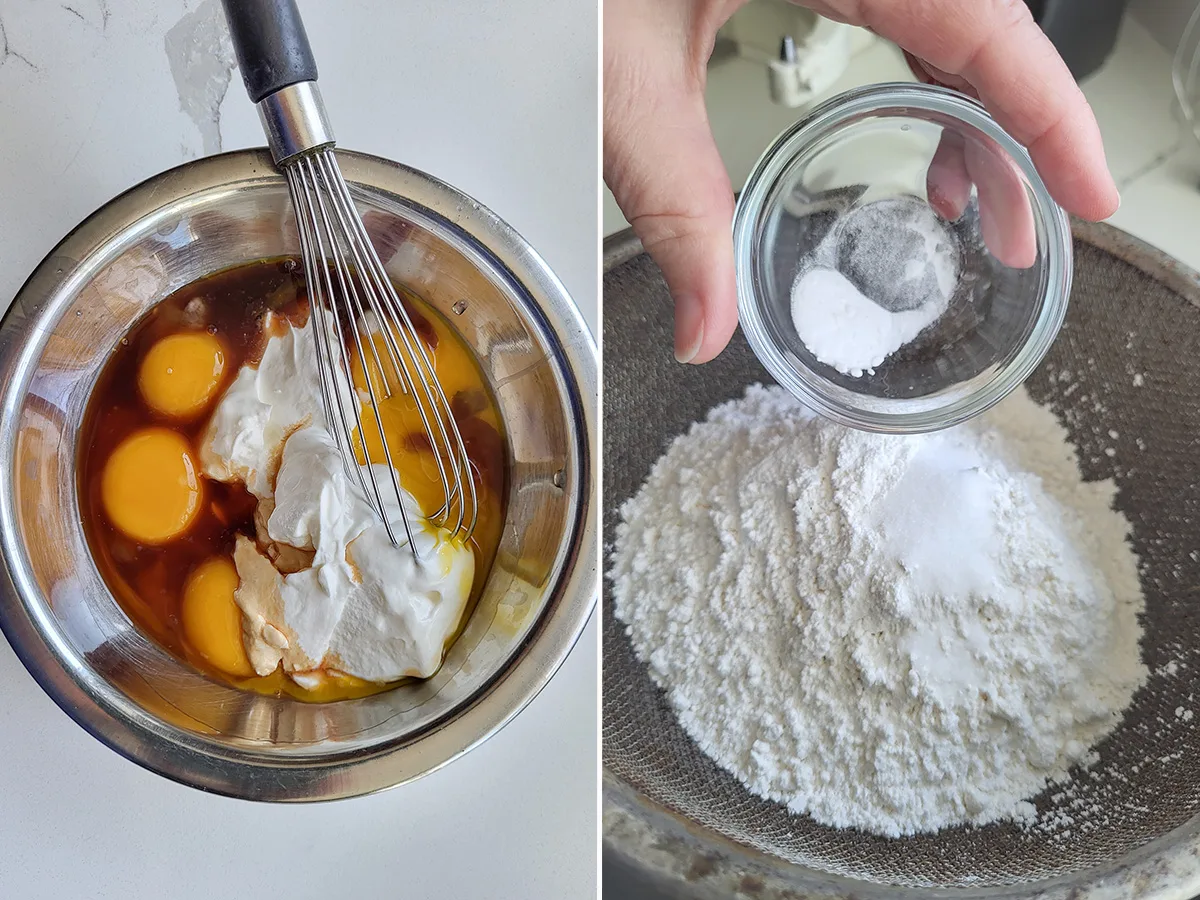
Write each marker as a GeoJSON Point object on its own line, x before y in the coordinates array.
{"type": "Point", "coordinates": [271, 46]}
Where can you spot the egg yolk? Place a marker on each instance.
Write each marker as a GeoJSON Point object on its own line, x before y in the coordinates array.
{"type": "Point", "coordinates": [403, 428]}
{"type": "Point", "coordinates": [150, 487]}
{"type": "Point", "coordinates": [211, 618]}
{"type": "Point", "coordinates": [180, 374]}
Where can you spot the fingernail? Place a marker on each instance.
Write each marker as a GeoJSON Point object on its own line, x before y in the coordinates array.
{"type": "Point", "coordinates": [689, 328]}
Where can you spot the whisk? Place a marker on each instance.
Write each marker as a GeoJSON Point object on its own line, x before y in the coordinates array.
{"type": "Point", "coordinates": [350, 295]}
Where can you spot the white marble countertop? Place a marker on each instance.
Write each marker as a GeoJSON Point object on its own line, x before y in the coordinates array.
{"type": "Point", "coordinates": [497, 98]}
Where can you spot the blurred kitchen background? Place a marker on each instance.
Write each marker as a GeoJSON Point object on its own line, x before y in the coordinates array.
{"type": "Point", "coordinates": [1121, 51]}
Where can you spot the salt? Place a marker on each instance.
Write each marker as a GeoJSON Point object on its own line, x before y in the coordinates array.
{"type": "Point", "coordinates": [881, 277]}
{"type": "Point", "coordinates": [847, 330]}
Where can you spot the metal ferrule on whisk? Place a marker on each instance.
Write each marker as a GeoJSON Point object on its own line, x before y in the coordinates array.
{"type": "Point", "coordinates": [294, 120]}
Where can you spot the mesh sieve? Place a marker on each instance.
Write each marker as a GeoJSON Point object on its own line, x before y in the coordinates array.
{"type": "Point", "coordinates": [1126, 364]}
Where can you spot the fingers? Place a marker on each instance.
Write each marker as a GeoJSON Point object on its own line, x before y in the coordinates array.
{"type": "Point", "coordinates": [947, 183]}
{"type": "Point", "coordinates": [1005, 214]}
{"type": "Point", "coordinates": [663, 168]}
{"type": "Point", "coordinates": [671, 185]}
{"type": "Point", "coordinates": [997, 47]}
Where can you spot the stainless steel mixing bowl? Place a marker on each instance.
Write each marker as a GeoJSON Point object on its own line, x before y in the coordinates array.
{"type": "Point", "coordinates": [85, 652]}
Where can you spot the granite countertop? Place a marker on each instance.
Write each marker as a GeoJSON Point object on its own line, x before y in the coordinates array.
{"type": "Point", "coordinates": [496, 98]}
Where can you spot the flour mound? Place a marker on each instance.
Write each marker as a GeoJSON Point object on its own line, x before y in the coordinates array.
{"type": "Point", "coordinates": [897, 634]}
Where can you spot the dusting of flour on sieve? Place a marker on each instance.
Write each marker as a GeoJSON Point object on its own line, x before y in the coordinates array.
{"type": "Point", "coordinates": [897, 634]}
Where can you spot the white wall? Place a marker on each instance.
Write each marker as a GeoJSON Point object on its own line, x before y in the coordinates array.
{"type": "Point", "coordinates": [1165, 19]}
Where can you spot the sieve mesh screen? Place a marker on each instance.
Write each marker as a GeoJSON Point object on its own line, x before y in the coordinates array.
{"type": "Point", "coordinates": [1127, 362]}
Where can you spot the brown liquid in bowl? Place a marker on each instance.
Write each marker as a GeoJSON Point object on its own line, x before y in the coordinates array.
{"type": "Point", "coordinates": [147, 580]}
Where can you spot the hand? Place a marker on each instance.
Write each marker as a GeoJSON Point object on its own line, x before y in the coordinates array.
{"type": "Point", "coordinates": [666, 174]}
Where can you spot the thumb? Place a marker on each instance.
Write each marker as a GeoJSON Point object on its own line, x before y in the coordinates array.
{"type": "Point", "coordinates": [668, 178]}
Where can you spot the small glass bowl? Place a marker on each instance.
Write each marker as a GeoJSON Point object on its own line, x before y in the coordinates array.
{"type": "Point", "coordinates": [937, 154]}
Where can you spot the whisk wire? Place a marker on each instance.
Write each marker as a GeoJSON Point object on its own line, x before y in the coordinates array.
{"type": "Point", "coordinates": [348, 287]}
{"type": "Point", "coordinates": [332, 179]}
{"type": "Point", "coordinates": [345, 269]}
{"type": "Point", "coordinates": [313, 248]}
{"type": "Point", "coordinates": [435, 411]}
{"type": "Point", "coordinates": [331, 357]}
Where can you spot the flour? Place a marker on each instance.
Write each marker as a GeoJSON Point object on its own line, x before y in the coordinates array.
{"type": "Point", "coordinates": [898, 634]}
{"type": "Point", "coordinates": [883, 275]}
{"type": "Point", "coordinates": [847, 330]}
